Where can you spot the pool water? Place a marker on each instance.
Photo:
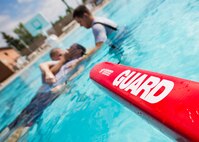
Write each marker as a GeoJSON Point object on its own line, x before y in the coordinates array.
{"type": "Point", "coordinates": [163, 36]}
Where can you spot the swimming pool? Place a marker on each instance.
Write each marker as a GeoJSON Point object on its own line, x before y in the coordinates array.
{"type": "Point", "coordinates": [163, 37]}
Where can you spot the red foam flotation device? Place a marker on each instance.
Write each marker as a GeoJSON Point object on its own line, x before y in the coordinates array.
{"type": "Point", "coordinates": [172, 101]}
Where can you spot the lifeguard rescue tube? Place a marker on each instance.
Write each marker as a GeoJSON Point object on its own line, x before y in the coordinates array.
{"type": "Point", "coordinates": [172, 101]}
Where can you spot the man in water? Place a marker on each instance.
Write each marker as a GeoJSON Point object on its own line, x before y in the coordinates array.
{"type": "Point", "coordinates": [102, 27]}
{"type": "Point", "coordinates": [56, 54]}
{"type": "Point", "coordinates": [55, 72]}
{"type": "Point", "coordinates": [59, 57]}
{"type": "Point", "coordinates": [41, 100]}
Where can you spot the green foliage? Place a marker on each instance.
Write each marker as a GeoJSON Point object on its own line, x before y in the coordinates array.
{"type": "Point", "coordinates": [69, 9]}
{"type": "Point", "coordinates": [84, 1]}
{"type": "Point", "coordinates": [23, 34]}
{"type": "Point", "coordinates": [13, 42]}
{"type": "Point", "coordinates": [60, 18]}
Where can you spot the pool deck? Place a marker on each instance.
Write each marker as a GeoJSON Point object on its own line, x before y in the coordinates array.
{"type": "Point", "coordinates": [70, 27]}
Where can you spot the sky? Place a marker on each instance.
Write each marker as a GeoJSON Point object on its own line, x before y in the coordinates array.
{"type": "Point", "coordinates": [12, 12]}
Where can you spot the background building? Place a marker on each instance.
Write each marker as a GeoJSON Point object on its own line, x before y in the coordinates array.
{"type": "Point", "coordinates": [8, 62]}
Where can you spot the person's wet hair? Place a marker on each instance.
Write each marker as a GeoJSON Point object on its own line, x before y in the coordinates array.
{"type": "Point", "coordinates": [80, 10]}
{"type": "Point", "coordinates": [53, 52]}
{"type": "Point", "coordinates": [78, 46]}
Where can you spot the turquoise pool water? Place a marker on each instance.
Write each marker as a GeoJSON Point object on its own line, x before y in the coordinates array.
{"type": "Point", "coordinates": [163, 37]}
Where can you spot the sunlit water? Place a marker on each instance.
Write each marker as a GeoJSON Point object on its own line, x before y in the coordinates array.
{"type": "Point", "coordinates": [163, 36]}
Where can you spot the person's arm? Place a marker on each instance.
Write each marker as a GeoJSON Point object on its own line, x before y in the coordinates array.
{"type": "Point", "coordinates": [45, 69]}
{"type": "Point", "coordinates": [99, 33]}
{"type": "Point", "coordinates": [72, 64]}
{"type": "Point", "coordinates": [58, 66]}
{"type": "Point", "coordinates": [92, 51]}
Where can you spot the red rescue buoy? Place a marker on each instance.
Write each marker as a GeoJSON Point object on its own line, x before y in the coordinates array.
{"type": "Point", "coordinates": [170, 100]}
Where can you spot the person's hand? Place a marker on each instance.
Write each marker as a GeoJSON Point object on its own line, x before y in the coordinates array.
{"type": "Point", "coordinates": [50, 78]}
{"type": "Point", "coordinates": [67, 56]}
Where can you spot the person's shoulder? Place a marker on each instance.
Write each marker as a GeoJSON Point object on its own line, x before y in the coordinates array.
{"type": "Point", "coordinates": [105, 21]}
{"type": "Point", "coordinates": [97, 27]}
{"type": "Point", "coordinates": [50, 63]}
{"type": "Point", "coordinates": [53, 62]}
{"type": "Point", "coordinates": [72, 62]}
{"type": "Point", "coordinates": [101, 18]}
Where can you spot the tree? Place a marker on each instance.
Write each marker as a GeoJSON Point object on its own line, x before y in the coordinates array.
{"type": "Point", "coordinates": [23, 34]}
{"type": "Point", "coordinates": [84, 1]}
{"type": "Point", "coordinates": [13, 42]}
{"type": "Point", "coordinates": [69, 9]}
{"type": "Point", "coordinates": [60, 18]}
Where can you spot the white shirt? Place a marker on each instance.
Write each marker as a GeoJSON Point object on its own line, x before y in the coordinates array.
{"type": "Point", "coordinates": [101, 31]}
{"type": "Point", "coordinates": [61, 76]}
{"type": "Point", "coordinates": [65, 69]}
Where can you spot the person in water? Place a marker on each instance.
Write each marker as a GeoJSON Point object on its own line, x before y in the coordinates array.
{"type": "Point", "coordinates": [56, 54]}
{"type": "Point", "coordinates": [101, 27]}
{"type": "Point", "coordinates": [59, 57]}
{"type": "Point", "coordinates": [49, 69]}
{"type": "Point", "coordinates": [41, 101]}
